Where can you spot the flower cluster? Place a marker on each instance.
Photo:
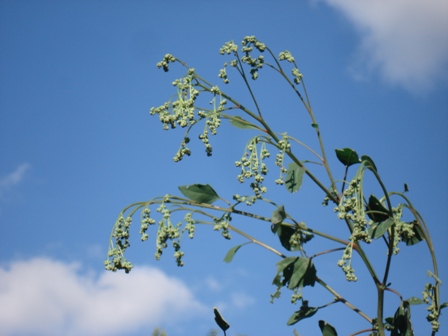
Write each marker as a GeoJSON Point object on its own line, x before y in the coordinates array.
{"type": "Point", "coordinates": [146, 221]}
{"type": "Point", "coordinates": [168, 58]}
{"type": "Point", "coordinates": [181, 111]}
{"type": "Point", "coordinates": [228, 48]}
{"type": "Point", "coordinates": [283, 145]}
{"type": "Point", "coordinates": [346, 264]}
{"type": "Point", "coordinates": [222, 224]}
{"type": "Point", "coordinates": [249, 42]}
{"type": "Point", "coordinates": [121, 236]}
{"type": "Point", "coordinates": [429, 296]}
{"type": "Point", "coordinates": [350, 208]}
{"type": "Point", "coordinates": [286, 56]}
{"type": "Point", "coordinates": [167, 231]}
{"type": "Point", "coordinates": [252, 165]}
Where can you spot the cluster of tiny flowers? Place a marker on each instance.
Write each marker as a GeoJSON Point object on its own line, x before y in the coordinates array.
{"type": "Point", "coordinates": [222, 224]}
{"type": "Point", "coordinates": [297, 76]}
{"type": "Point", "coordinates": [121, 235]}
{"type": "Point", "coordinates": [190, 226]}
{"type": "Point", "coordinates": [350, 209]}
{"type": "Point", "coordinates": [286, 56]}
{"type": "Point", "coordinates": [297, 295]}
{"type": "Point", "coordinates": [167, 231]}
{"type": "Point", "coordinates": [334, 192]}
{"type": "Point", "coordinates": [434, 313]}
{"type": "Point", "coordinates": [223, 74]}
{"type": "Point", "coordinates": [181, 111]}
{"type": "Point", "coordinates": [402, 229]}
{"type": "Point", "coordinates": [228, 48]}
{"type": "Point", "coordinates": [249, 42]}
{"type": "Point", "coordinates": [183, 150]}
{"type": "Point", "coordinates": [283, 146]}
{"type": "Point", "coordinates": [252, 166]}
{"type": "Point", "coordinates": [345, 264]}
{"type": "Point", "coordinates": [146, 221]}
{"type": "Point", "coordinates": [248, 200]}
{"type": "Point", "coordinates": [168, 58]}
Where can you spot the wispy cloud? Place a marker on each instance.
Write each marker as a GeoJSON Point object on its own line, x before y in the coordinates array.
{"type": "Point", "coordinates": [13, 178]}
{"type": "Point", "coordinates": [405, 41]}
{"type": "Point", "coordinates": [43, 296]}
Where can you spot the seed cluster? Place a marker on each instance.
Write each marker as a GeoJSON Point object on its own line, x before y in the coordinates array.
{"type": "Point", "coordinates": [252, 165]}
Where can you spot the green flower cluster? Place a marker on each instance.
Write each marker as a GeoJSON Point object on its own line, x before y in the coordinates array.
{"type": "Point", "coordinates": [249, 42]}
{"type": "Point", "coordinates": [116, 259]}
{"type": "Point", "coordinates": [429, 296]}
{"type": "Point", "coordinates": [146, 221]}
{"type": "Point", "coordinates": [222, 224]}
{"type": "Point", "coordinates": [168, 58]}
{"type": "Point", "coordinates": [167, 231]}
{"type": "Point", "coordinates": [346, 263]}
{"type": "Point", "coordinates": [252, 165]}
{"type": "Point", "coordinates": [283, 145]}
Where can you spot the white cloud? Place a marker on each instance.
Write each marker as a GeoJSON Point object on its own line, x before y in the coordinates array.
{"type": "Point", "coordinates": [13, 178]}
{"type": "Point", "coordinates": [404, 40]}
{"type": "Point", "coordinates": [42, 296]}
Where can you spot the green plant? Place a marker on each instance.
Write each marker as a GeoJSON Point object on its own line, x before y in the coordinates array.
{"type": "Point", "coordinates": [367, 219]}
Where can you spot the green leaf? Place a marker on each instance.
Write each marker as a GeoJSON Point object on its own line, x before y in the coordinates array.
{"type": "Point", "coordinates": [347, 156]}
{"type": "Point", "coordinates": [443, 305]}
{"type": "Point", "coordinates": [200, 193]}
{"type": "Point", "coordinates": [431, 274]}
{"type": "Point", "coordinates": [402, 321]}
{"type": "Point", "coordinates": [278, 215]}
{"type": "Point", "coordinates": [220, 321]}
{"type": "Point", "coordinates": [375, 205]}
{"type": "Point", "coordinates": [416, 238]}
{"type": "Point", "coordinates": [327, 329]}
{"type": "Point", "coordinates": [229, 256]}
{"type": "Point", "coordinates": [294, 177]}
{"type": "Point", "coordinates": [301, 314]}
{"type": "Point", "coordinates": [239, 122]}
{"type": "Point", "coordinates": [378, 229]}
{"type": "Point", "coordinates": [315, 125]}
{"type": "Point", "coordinates": [303, 274]}
{"type": "Point", "coordinates": [284, 233]}
{"type": "Point", "coordinates": [369, 161]}
{"type": "Point", "coordinates": [296, 272]}
{"type": "Point", "coordinates": [415, 301]}
{"type": "Point", "coordinates": [296, 333]}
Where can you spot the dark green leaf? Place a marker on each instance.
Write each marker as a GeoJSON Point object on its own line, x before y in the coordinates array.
{"type": "Point", "coordinates": [327, 329]}
{"type": "Point", "coordinates": [380, 214]}
{"type": "Point", "coordinates": [284, 233]}
{"type": "Point", "coordinates": [200, 193]}
{"type": "Point", "coordinates": [239, 122]}
{"type": "Point", "coordinates": [415, 301]}
{"type": "Point", "coordinates": [369, 160]}
{"type": "Point", "coordinates": [278, 215]}
{"type": "Point", "coordinates": [402, 323]}
{"type": "Point", "coordinates": [347, 156]}
{"type": "Point", "coordinates": [284, 269]}
{"type": "Point", "coordinates": [294, 177]}
{"type": "Point", "coordinates": [220, 321]}
{"type": "Point", "coordinates": [390, 320]}
{"type": "Point", "coordinates": [416, 238]}
{"type": "Point", "coordinates": [229, 256]}
{"type": "Point", "coordinates": [303, 274]}
{"type": "Point", "coordinates": [315, 125]}
{"type": "Point", "coordinates": [378, 229]}
{"type": "Point", "coordinates": [443, 305]}
{"type": "Point", "coordinates": [301, 314]}
{"type": "Point", "coordinates": [406, 189]}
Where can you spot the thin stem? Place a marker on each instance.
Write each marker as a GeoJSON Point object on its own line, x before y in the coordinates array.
{"type": "Point", "coordinates": [341, 299]}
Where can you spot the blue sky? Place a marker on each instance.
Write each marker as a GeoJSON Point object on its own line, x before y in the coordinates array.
{"type": "Point", "coordinates": [77, 144]}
